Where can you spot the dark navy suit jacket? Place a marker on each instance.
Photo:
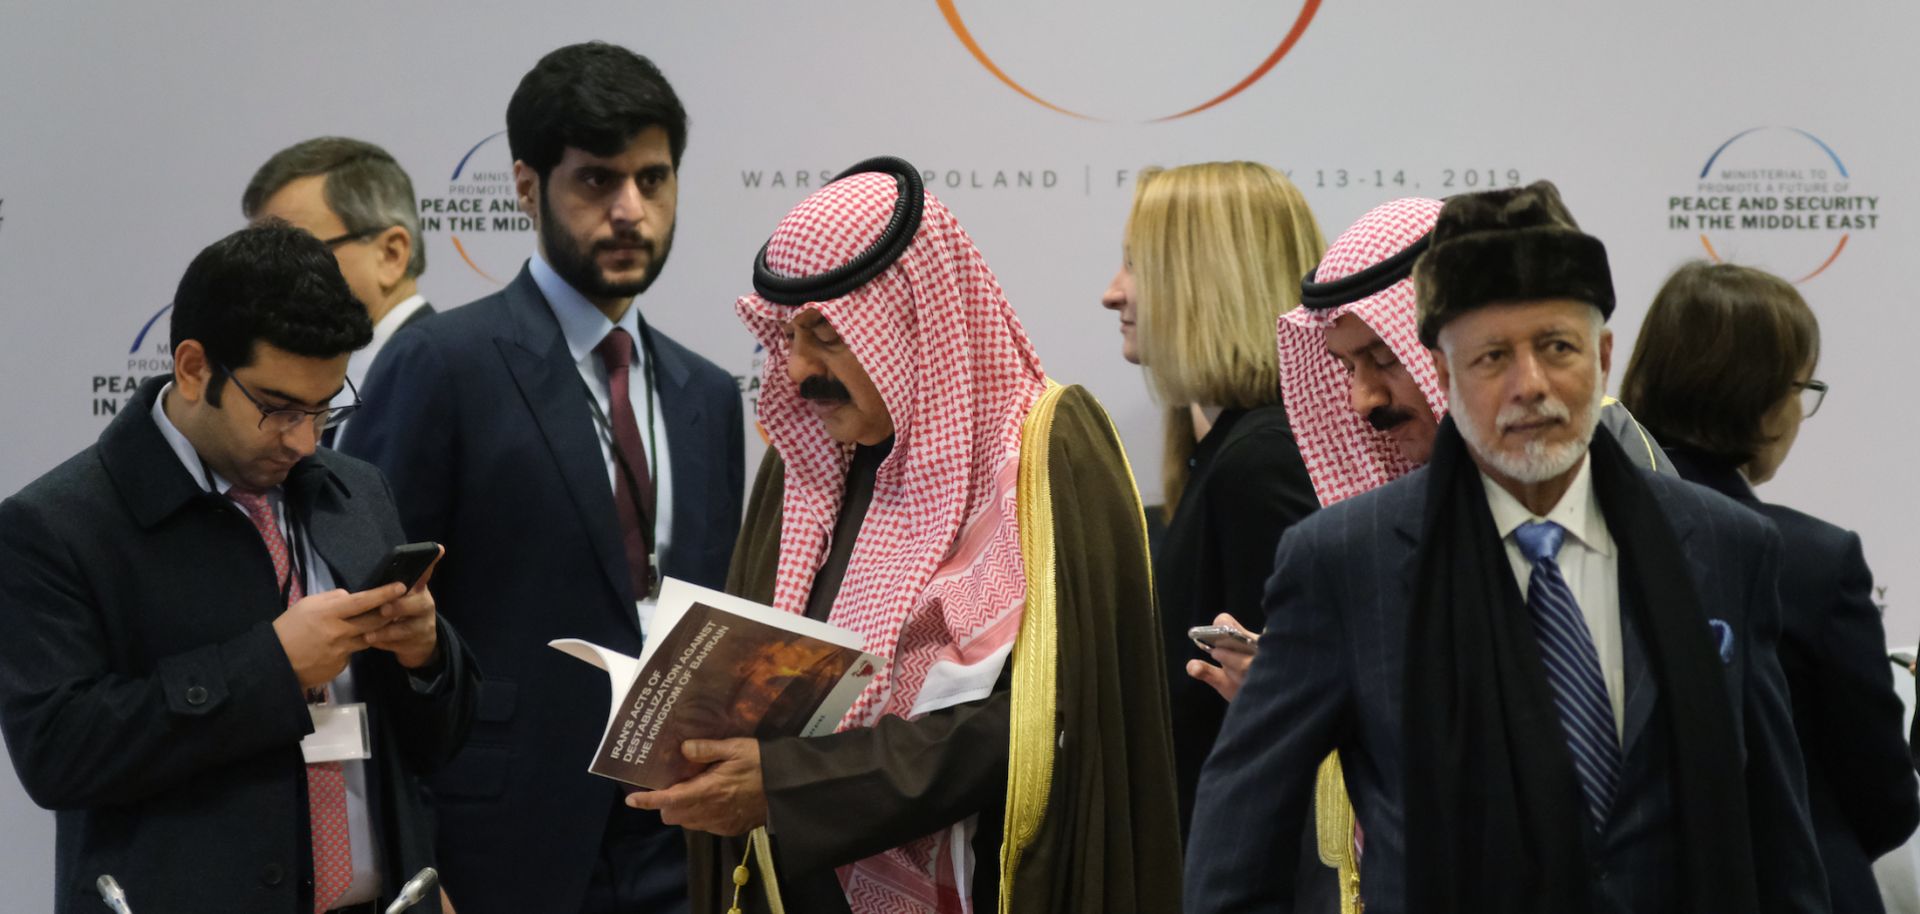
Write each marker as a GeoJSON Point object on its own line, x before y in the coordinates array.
{"type": "Point", "coordinates": [479, 418]}
{"type": "Point", "coordinates": [1331, 673]}
{"type": "Point", "coordinates": [1860, 783]}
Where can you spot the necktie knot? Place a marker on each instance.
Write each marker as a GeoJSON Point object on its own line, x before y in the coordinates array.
{"type": "Point", "coordinates": [1540, 540]}
{"type": "Point", "coordinates": [616, 350]}
{"type": "Point", "coordinates": [255, 503]}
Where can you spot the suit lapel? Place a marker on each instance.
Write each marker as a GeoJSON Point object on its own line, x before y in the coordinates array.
{"type": "Point", "coordinates": [348, 541]}
{"type": "Point", "coordinates": [684, 416]}
{"type": "Point", "coordinates": [1407, 522]}
{"type": "Point", "coordinates": [1643, 690]}
{"type": "Point", "coordinates": [536, 355]}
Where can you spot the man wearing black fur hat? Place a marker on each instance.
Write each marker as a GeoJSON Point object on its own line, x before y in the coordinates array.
{"type": "Point", "coordinates": [1550, 675]}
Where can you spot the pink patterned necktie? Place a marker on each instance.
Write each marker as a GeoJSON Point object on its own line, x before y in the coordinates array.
{"type": "Point", "coordinates": [326, 784]}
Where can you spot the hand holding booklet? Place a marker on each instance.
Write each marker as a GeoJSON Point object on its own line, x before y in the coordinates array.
{"type": "Point", "coordinates": [717, 667]}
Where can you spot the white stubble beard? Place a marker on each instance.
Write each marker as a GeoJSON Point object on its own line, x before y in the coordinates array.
{"type": "Point", "coordinates": [1538, 461]}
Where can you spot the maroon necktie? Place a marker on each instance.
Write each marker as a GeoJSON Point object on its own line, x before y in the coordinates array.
{"type": "Point", "coordinates": [630, 473]}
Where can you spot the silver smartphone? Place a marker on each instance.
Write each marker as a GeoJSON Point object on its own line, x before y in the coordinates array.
{"type": "Point", "coordinates": [1223, 638]}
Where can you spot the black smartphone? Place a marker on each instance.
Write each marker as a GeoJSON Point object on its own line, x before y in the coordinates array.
{"type": "Point", "coordinates": [405, 564]}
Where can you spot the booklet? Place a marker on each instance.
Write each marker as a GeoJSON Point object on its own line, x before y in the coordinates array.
{"type": "Point", "coordinates": [716, 667]}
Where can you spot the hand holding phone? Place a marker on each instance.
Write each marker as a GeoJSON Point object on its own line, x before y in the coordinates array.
{"type": "Point", "coordinates": [322, 631]}
{"type": "Point", "coordinates": [1212, 638]}
{"type": "Point", "coordinates": [410, 628]}
{"type": "Point", "coordinates": [404, 565]}
{"type": "Point", "coordinates": [1233, 649]}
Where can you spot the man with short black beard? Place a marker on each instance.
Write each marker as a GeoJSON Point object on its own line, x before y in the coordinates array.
{"type": "Point", "coordinates": [570, 455]}
{"type": "Point", "coordinates": [1550, 675]}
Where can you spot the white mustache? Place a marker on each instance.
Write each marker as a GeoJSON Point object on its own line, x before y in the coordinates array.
{"type": "Point", "coordinates": [1516, 414]}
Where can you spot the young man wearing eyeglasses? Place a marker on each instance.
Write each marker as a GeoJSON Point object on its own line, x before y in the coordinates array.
{"type": "Point", "coordinates": [219, 722]}
{"type": "Point", "coordinates": [357, 200]}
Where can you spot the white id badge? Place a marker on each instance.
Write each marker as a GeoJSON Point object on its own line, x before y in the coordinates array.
{"type": "Point", "coordinates": [644, 609]}
{"type": "Point", "coordinates": [339, 734]}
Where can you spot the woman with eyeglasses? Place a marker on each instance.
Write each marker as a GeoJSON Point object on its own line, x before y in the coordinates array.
{"type": "Point", "coordinates": [1722, 374]}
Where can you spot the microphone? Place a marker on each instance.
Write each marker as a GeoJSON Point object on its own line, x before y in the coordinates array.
{"type": "Point", "coordinates": [111, 893]}
{"type": "Point", "coordinates": [415, 891]}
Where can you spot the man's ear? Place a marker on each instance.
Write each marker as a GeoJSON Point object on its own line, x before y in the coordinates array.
{"type": "Point", "coordinates": [192, 370]}
{"type": "Point", "coordinates": [395, 247]}
{"type": "Point", "coordinates": [1440, 368]}
{"type": "Point", "coordinates": [1606, 355]}
{"type": "Point", "coordinates": [526, 189]}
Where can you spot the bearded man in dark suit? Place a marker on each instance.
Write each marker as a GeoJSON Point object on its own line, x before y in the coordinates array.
{"type": "Point", "coordinates": [570, 455]}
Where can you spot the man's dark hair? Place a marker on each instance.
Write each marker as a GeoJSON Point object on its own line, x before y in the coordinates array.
{"type": "Point", "coordinates": [1721, 347]}
{"type": "Point", "coordinates": [269, 283]}
{"type": "Point", "coordinates": [595, 97]}
{"type": "Point", "coordinates": [365, 187]}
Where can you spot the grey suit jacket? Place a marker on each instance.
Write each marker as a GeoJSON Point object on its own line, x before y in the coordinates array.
{"type": "Point", "coordinates": [1330, 675]}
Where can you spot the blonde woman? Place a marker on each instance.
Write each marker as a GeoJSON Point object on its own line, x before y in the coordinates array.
{"type": "Point", "coordinates": [1213, 254]}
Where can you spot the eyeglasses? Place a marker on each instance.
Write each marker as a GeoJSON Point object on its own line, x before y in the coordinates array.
{"type": "Point", "coordinates": [280, 420]}
{"type": "Point", "coordinates": [1812, 394]}
{"type": "Point", "coordinates": [361, 235]}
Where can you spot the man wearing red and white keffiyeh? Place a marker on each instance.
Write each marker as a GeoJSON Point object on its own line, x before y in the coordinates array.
{"type": "Point", "coordinates": [1362, 395]}
{"type": "Point", "coordinates": [931, 490]}
{"type": "Point", "coordinates": [1361, 392]}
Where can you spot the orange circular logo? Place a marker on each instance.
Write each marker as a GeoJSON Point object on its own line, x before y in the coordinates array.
{"type": "Point", "coordinates": [1300, 22]}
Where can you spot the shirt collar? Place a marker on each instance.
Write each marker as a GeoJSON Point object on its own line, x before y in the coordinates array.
{"type": "Point", "coordinates": [1578, 511]}
{"type": "Point", "coordinates": [395, 316]}
{"type": "Point", "coordinates": [583, 325]}
{"type": "Point", "coordinates": [362, 359]}
{"type": "Point", "coordinates": [183, 448]}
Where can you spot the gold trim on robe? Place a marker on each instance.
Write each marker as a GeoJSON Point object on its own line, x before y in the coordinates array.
{"type": "Point", "coordinates": [1333, 823]}
{"type": "Point", "coordinates": [1035, 652]}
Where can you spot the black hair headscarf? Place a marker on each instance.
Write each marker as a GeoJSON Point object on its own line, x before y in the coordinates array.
{"type": "Point", "coordinates": [1495, 824]}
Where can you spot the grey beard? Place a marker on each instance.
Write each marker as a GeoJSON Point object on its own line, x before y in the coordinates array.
{"type": "Point", "coordinates": [1538, 461]}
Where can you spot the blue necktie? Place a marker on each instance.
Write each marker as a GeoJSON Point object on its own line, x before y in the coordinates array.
{"type": "Point", "coordinates": [1573, 669]}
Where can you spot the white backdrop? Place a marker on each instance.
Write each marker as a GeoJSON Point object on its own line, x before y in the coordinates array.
{"type": "Point", "coordinates": [131, 129]}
